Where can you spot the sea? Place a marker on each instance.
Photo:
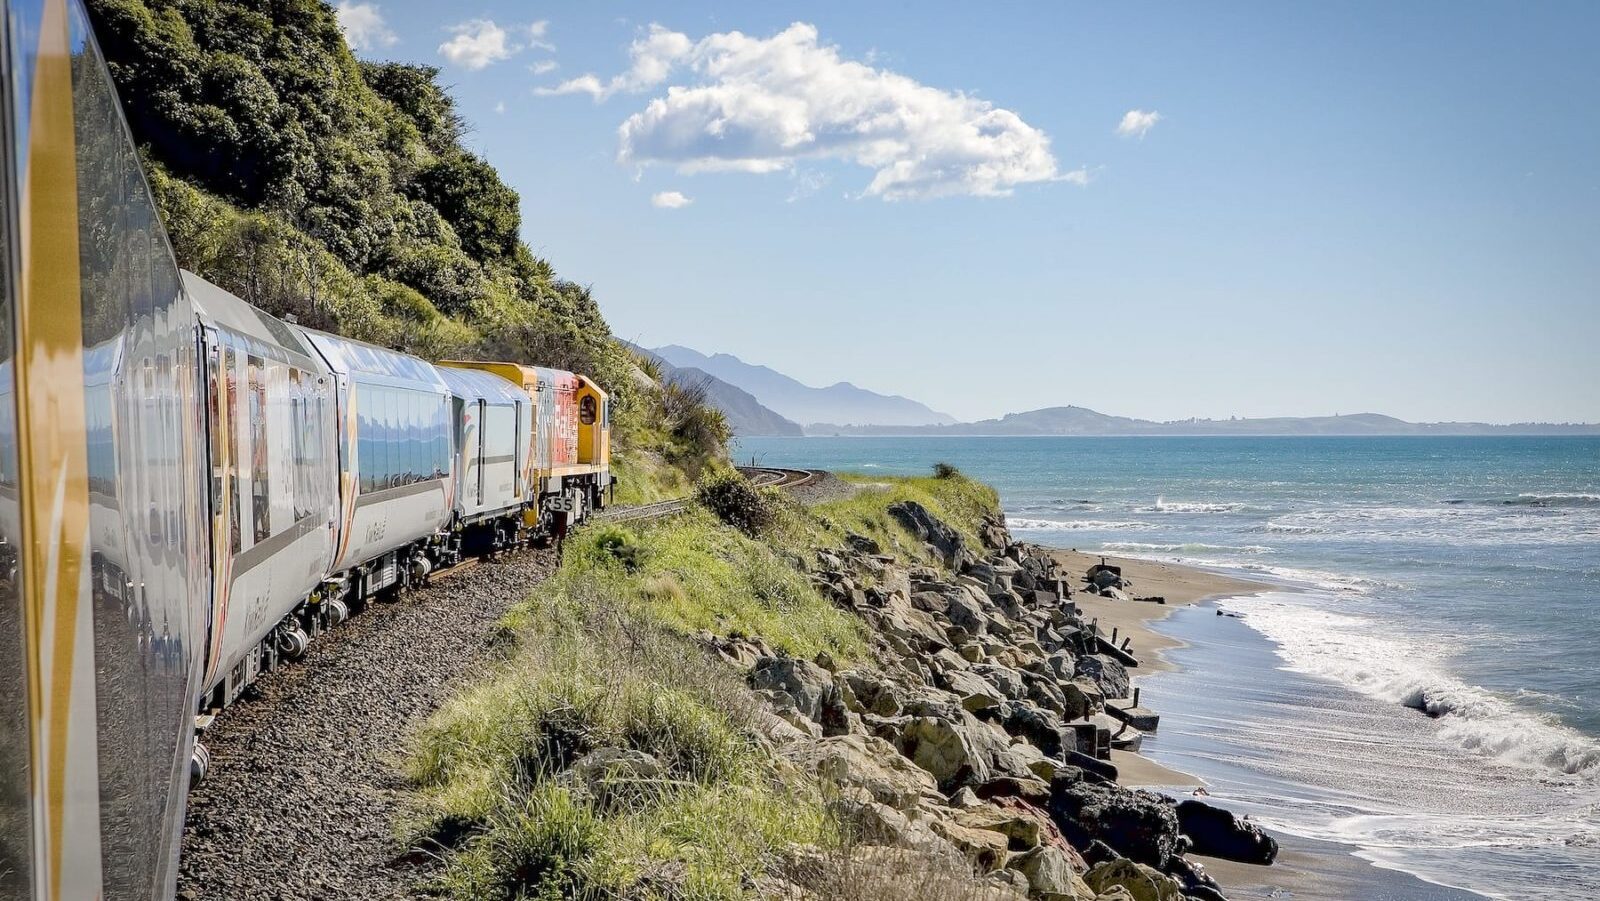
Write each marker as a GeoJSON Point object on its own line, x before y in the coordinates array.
{"type": "Point", "coordinates": [1419, 679]}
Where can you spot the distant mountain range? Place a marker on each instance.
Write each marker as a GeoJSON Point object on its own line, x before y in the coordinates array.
{"type": "Point", "coordinates": [1083, 421]}
{"type": "Point", "coordinates": [761, 401]}
{"type": "Point", "coordinates": [745, 415]}
{"type": "Point", "coordinates": [841, 402]}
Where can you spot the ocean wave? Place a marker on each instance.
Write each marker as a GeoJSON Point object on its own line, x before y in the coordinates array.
{"type": "Point", "coordinates": [1191, 548]}
{"type": "Point", "coordinates": [1025, 524]}
{"type": "Point", "coordinates": [1162, 505]}
{"type": "Point", "coordinates": [1351, 650]}
{"type": "Point", "coordinates": [1279, 528]}
{"type": "Point", "coordinates": [1558, 499]}
{"type": "Point", "coordinates": [1481, 524]}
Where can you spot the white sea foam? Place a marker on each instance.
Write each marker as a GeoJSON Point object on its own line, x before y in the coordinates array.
{"type": "Point", "coordinates": [1162, 505]}
{"type": "Point", "coordinates": [1025, 524]}
{"type": "Point", "coordinates": [1140, 547]}
{"type": "Point", "coordinates": [1390, 667]}
{"type": "Point", "coordinates": [1495, 524]}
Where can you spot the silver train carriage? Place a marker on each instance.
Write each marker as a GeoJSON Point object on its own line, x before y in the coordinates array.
{"type": "Point", "coordinates": [492, 422]}
{"type": "Point", "coordinates": [190, 488]}
{"type": "Point", "coordinates": [270, 431]}
{"type": "Point", "coordinates": [396, 483]}
{"type": "Point", "coordinates": [105, 575]}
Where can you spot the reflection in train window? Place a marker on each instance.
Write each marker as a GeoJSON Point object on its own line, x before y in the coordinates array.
{"type": "Point", "coordinates": [231, 375]}
{"type": "Point", "coordinates": [260, 512]}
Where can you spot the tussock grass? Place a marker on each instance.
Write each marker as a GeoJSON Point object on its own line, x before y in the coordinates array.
{"type": "Point", "coordinates": [645, 477]}
{"type": "Point", "coordinates": [692, 574]}
{"type": "Point", "coordinates": [592, 673]}
{"type": "Point", "coordinates": [605, 655]}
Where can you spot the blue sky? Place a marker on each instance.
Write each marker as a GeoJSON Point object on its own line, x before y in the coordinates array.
{"type": "Point", "coordinates": [1349, 207]}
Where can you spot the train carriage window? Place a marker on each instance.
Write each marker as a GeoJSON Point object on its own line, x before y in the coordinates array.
{"type": "Point", "coordinates": [214, 382]}
{"type": "Point", "coordinates": [297, 433]}
{"type": "Point", "coordinates": [261, 498]}
{"type": "Point", "coordinates": [396, 431]}
{"type": "Point", "coordinates": [366, 431]}
{"type": "Point", "coordinates": [231, 377]}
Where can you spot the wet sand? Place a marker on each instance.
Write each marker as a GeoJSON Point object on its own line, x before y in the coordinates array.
{"type": "Point", "coordinates": [1305, 870]}
{"type": "Point", "coordinates": [1179, 586]}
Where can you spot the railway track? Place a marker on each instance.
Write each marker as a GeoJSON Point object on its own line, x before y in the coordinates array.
{"type": "Point", "coordinates": [762, 476]}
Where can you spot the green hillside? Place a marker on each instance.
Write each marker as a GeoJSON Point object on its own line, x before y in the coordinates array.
{"type": "Point", "coordinates": [337, 190]}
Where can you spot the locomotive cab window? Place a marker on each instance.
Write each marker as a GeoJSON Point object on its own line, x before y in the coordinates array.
{"type": "Point", "coordinates": [586, 410]}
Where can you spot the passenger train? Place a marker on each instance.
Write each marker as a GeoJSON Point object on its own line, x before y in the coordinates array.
{"type": "Point", "coordinates": [191, 490]}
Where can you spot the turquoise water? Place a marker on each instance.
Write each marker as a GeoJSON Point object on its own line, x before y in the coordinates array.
{"type": "Point", "coordinates": [1460, 576]}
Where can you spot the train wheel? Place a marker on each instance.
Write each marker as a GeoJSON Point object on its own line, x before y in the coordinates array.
{"type": "Point", "coordinates": [199, 763]}
{"type": "Point", "coordinates": [292, 643]}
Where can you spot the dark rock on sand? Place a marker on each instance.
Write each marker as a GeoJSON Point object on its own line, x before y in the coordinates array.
{"type": "Point", "coordinates": [1218, 833]}
{"type": "Point", "coordinates": [1136, 824]}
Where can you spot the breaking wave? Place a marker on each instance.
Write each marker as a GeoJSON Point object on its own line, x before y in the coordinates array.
{"type": "Point", "coordinates": [1142, 547]}
{"type": "Point", "coordinates": [1162, 505]}
{"type": "Point", "coordinates": [1025, 524]}
{"type": "Point", "coordinates": [1390, 668]}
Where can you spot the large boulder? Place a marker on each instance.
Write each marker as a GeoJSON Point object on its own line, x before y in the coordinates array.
{"type": "Point", "coordinates": [1107, 672]}
{"type": "Point", "coordinates": [1039, 727]}
{"type": "Point", "coordinates": [809, 685]}
{"type": "Point", "coordinates": [1021, 830]}
{"type": "Point", "coordinates": [1197, 883]}
{"type": "Point", "coordinates": [864, 692]}
{"type": "Point", "coordinates": [917, 628]}
{"type": "Point", "coordinates": [917, 520]}
{"type": "Point", "coordinates": [1142, 882]}
{"type": "Point", "coordinates": [958, 750]}
{"type": "Point", "coordinates": [1051, 876]}
{"type": "Point", "coordinates": [1218, 833]}
{"type": "Point", "coordinates": [867, 763]}
{"type": "Point", "coordinates": [1137, 824]}
{"type": "Point", "coordinates": [986, 849]}
{"type": "Point", "coordinates": [973, 691]}
{"type": "Point", "coordinates": [1005, 679]}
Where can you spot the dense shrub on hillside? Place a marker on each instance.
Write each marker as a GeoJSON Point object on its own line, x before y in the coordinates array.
{"type": "Point", "coordinates": [735, 501]}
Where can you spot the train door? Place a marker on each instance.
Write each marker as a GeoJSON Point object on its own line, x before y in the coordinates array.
{"type": "Point", "coordinates": [221, 417]}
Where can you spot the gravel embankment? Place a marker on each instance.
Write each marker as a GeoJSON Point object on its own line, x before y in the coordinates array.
{"type": "Point", "coordinates": [827, 487]}
{"type": "Point", "coordinates": [304, 790]}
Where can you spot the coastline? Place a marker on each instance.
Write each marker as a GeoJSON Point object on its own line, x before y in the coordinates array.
{"type": "Point", "coordinates": [1306, 869]}
{"type": "Point", "coordinates": [1181, 586]}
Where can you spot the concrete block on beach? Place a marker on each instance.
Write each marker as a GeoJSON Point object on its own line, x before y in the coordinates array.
{"type": "Point", "coordinates": [1128, 711]}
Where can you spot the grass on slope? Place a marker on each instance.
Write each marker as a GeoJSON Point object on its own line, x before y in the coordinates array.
{"type": "Point", "coordinates": [603, 655]}
{"type": "Point", "coordinates": [957, 500]}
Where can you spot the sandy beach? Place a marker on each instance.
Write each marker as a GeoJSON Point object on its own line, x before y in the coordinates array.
{"type": "Point", "coordinates": [1179, 586]}
{"type": "Point", "coordinates": [1305, 870]}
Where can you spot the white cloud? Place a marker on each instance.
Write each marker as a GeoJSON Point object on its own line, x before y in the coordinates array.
{"type": "Point", "coordinates": [1136, 122]}
{"type": "Point", "coordinates": [538, 35]}
{"type": "Point", "coordinates": [670, 200]}
{"type": "Point", "coordinates": [500, 106]}
{"type": "Point", "coordinates": [654, 57]}
{"type": "Point", "coordinates": [479, 43]}
{"type": "Point", "coordinates": [363, 26]}
{"type": "Point", "coordinates": [544, 67]}
{"type": "Point", "coordinates": [752, 104]}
